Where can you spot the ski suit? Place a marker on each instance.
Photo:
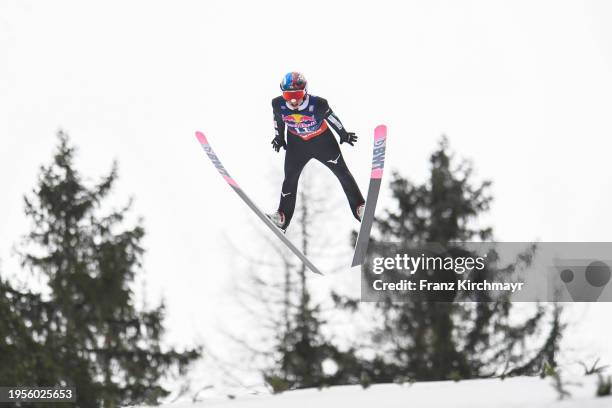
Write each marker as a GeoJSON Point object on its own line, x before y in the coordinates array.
{"type": "Point", "coordinates": [309, 137]}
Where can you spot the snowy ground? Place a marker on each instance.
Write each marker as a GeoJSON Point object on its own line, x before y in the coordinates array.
{"type": "Point", "coordinates": [524, 392]}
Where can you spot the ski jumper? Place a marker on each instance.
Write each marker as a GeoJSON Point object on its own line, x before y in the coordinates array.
{"type": "Point", "coordinates": [309, 137]}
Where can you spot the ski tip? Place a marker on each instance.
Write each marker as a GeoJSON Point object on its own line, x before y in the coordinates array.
{"type": "Point", "coordinates": [380, 132]}
{"type": "Point", "coordinates": [201, 137]}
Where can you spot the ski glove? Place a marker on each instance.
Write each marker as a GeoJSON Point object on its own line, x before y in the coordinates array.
{"type": "Point", "coordinates": [279, 142]}
{"type": "Point", "coordinates": [350, 138]}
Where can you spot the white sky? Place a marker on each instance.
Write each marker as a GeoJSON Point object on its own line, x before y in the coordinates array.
{"type": "Point", "coordinates": [524, 88]}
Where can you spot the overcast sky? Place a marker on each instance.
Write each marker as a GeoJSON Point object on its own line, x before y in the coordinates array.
{"type": "Point", "coordinates": [523, 88]}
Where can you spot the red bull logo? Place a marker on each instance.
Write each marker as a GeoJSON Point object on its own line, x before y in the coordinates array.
{"type": "Point", "coordinates": [297, 118]}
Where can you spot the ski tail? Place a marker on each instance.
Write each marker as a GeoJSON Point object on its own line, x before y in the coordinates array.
{"type": "Point", "coordinates": [378, 165]}
{"type": "Point", "coordinates": [224, 173]}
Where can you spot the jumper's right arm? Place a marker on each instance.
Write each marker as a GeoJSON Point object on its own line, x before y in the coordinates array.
{"type": "Point", "coordinates": [279, 130]}
{"type": "Point", "coordinates": [334, 122]}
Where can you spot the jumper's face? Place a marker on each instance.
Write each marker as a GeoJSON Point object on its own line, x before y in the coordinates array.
{"type": "Point", "coordinates": [294, 98]}
{"type": "Point", "coordinates": [295, 103]}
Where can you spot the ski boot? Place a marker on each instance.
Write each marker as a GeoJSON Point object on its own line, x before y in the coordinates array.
{"type": "Point", "coordinates": [278, 219]}
{"type": "Point", "coordinates": [359, 211]}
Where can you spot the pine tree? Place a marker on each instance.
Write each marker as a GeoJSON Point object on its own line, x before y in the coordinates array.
{"type": "Point", "coordinates": [426, 339]}
{"type": "Point", "coordinates": [23, 320]}
{"type": "Point", "coordinates": [303, 348]}
{"type": "Point", "coordinates": [104, 346]}
{"type": "Point", "coordinates": [292, 324]}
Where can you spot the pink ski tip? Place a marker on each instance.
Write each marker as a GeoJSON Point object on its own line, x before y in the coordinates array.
{"type": "Point", "coordinates": [201, 137]}
{"type": "Point", "coordinates": [380, 132]}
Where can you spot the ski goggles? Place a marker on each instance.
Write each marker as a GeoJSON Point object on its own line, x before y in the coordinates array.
{"type": "Point", "coordinates": [297, 95]}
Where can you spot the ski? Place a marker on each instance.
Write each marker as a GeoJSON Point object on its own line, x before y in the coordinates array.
{"type": "Point", "coordinates": [217, 163]}
{"type": "Point", "coordinates": [378, 164]}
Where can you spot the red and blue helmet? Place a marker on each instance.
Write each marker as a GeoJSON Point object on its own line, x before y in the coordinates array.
{"type": "Point", "coordinates": [293, 86]}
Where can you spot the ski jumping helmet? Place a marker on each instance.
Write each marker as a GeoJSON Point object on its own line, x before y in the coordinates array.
{"type": "Point", "coordinates": [293, 86]}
